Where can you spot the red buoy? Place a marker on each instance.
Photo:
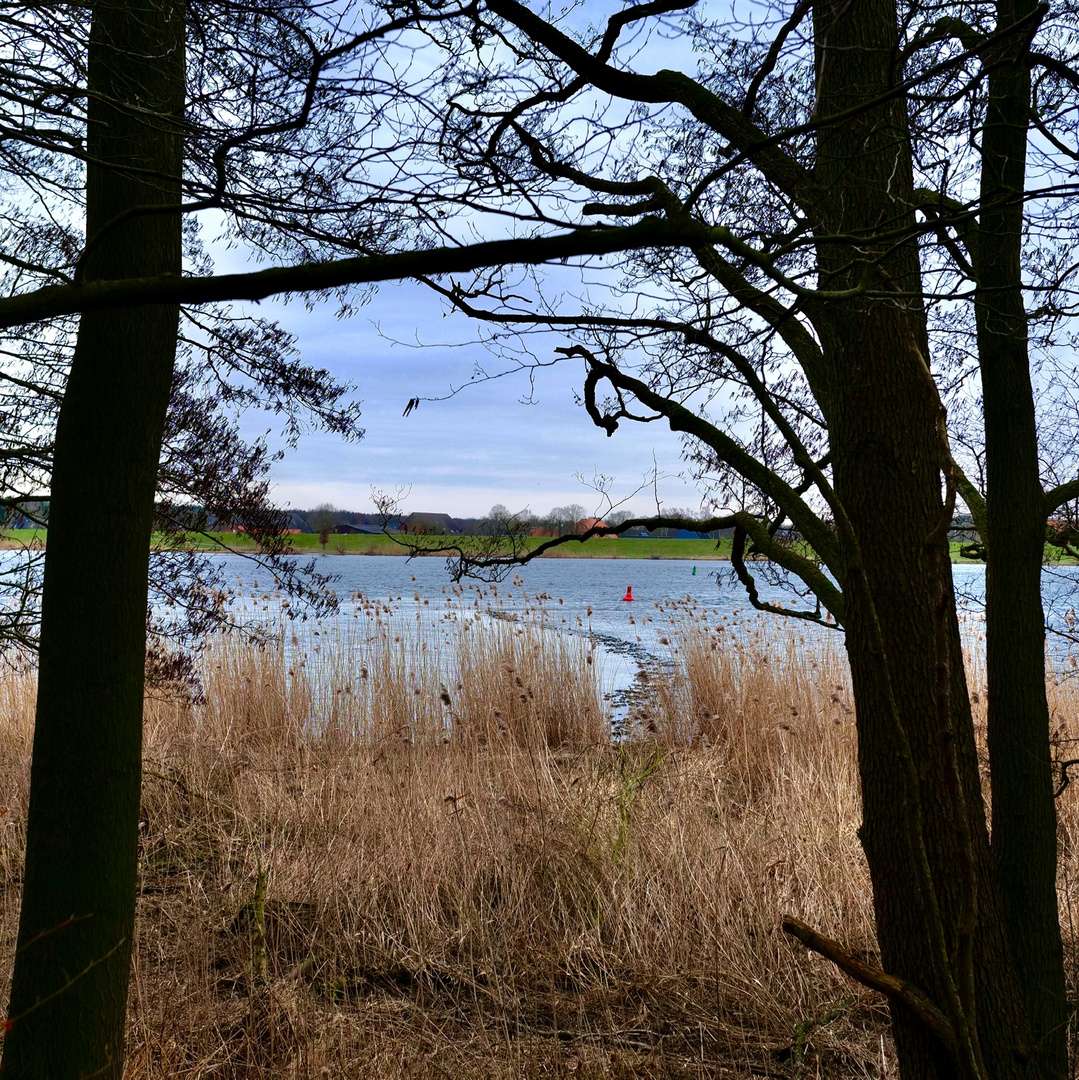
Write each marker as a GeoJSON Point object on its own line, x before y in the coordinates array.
{"type": "Point", "coordinates": [629, 593]}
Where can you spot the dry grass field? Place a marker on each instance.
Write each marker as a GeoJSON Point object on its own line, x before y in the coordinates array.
{"type": "Point", "coordinates": [379, 860]}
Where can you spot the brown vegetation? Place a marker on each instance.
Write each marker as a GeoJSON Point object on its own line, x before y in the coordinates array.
{"type": "Point", "coordinates": [381, 862]}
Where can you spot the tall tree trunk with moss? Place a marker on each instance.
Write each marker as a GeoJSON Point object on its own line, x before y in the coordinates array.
{"type": "Point", "coordinates": [939, 918]}
{"type": "Point", "coordinates": [69, 990]}
{"type": "Point", "coordinates": [1024, 813]}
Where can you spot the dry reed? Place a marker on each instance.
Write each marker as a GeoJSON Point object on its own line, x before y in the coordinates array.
{"type": "Point", "coordinates": [464, 874]}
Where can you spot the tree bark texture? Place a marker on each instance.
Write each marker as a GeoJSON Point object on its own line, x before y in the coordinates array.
{"type": "Point", "coordinates": [69, 990]}
{"type": "Point", "coordinates": [1024, 811]}
{"type": "Point", "coordinates": [902, 634]}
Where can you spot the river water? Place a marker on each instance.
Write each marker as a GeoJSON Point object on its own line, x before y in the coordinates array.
{"type": "Point", "coordinates": [585, 599]}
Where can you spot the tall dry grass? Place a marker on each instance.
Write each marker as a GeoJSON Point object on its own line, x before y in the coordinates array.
{"type": "Point", "coordinates": [463, 875]}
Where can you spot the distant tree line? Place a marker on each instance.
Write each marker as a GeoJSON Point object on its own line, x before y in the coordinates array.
{"type": "Point", "coordinates": [498, 521]}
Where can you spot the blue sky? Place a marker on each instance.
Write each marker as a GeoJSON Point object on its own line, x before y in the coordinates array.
{"type": "Point", "coordinates": [482, 447]}
{"type": "Point", "coordinates": [461, 455]}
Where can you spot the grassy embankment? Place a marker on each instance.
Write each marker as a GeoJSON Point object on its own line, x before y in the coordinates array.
{"type": "Point", "coordinates": [464, 877]}
{"type": "Point", "coordinates": [597, 548]}
{"type": "Point", "coordinates": [307, 544]}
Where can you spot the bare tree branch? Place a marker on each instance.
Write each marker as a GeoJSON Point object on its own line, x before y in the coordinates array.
{"type": "Point", "coordinates": [55, 300]}
{"type": "Point", "coordinates": [891, 986]}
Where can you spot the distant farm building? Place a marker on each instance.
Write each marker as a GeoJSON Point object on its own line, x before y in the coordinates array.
{"type": "Point", "coordinates": [585, 524]}
{"type": "Point", "coordinates": [238, 529]}
{"type": "Point", "coordinates": [346, 529]}
{"type": "Point", "coordinates": [430, 525]}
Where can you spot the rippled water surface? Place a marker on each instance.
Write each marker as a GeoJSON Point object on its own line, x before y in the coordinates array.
{"type": "Point", "coordinates": [580, 597]}
{"type": "Point", "coordinates": [583, 598]}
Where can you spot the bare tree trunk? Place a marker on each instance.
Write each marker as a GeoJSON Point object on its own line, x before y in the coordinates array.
{"type": "Point", "coordinates": [939, 918]}
{"type": "Point", "coordinates": [1024, 813]}
{"type": "Point", "coordinates": [69, 990]}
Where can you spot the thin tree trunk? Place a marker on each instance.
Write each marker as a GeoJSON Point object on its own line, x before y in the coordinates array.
{"type": "Point", "coordinates": [1024, 813]}
{"type": "Point", "coordinates": [69, 989]}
